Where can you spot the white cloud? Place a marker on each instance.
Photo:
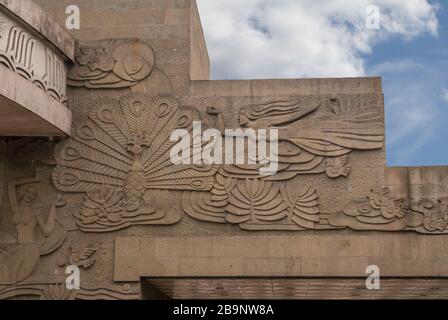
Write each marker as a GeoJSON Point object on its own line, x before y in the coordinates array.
{"type": "Point", "coordinates": [445, 94]}
{"type": "Point", "coordinates": [304, 38]}
{"type": "Point", "coordinates": [411, 117]}
{"type": "Point", "coordinates": [412, 120]}
{"type": "Point", "coordinates": [394, 67]}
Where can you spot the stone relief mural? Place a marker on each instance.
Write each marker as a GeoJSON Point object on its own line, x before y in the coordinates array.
{"type": "Point", "coordinates": [118, 153]}
{"type": "Point", "coordinates": [307, 146]}
{"type": "Point", "coordinates": [26, 55]}
{"type": "Point", "coordinates": [119, 156]}
{"type": "Point", "coordinates": [118, 162]}
{"type": "Point", "coordinates": [311, 145]}
{"type": "Point", "coordinates": [112, 64]}
{"type": "Point", "coordinates": [380, 211]}
{"type": "Point", "coordinates": [39, 235]}
{"type": "Point", "coordinates": [53, 287]}
{"type": "Point", "coordinates": [38, 232]}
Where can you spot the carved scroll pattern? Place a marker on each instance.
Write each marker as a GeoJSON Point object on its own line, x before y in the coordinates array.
{"type": "Point", "coordinates": [27, 56]}
{"type": "Point", "coordinates": [119, 152]}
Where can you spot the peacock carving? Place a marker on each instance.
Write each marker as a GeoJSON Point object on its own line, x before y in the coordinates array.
{"type": "Point", "coordinates": [119, 156]}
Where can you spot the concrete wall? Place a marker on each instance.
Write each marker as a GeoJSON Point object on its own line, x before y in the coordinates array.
{"type": "Point", "coordinates": [332, 208]}
{"type": "Point", "coordinates": [200, 62]}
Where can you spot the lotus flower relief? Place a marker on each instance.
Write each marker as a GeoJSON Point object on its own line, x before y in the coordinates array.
{"type": "Point", "coordinates": [379, 208]}
{"type": "Point", "coordinates": [434, 214]}
{"type": "Point", "coordinates": [303, 205]}
{"type": "Point", "coordinates": [389, 207]}
{"type": "Point", "coordinates": [102, 205]}
{"type": "Point", "coordinates": [58, 291]}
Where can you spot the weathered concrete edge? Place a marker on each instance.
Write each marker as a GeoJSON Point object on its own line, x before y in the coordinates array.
{"type": "Point", "coordinates": [301, 255]}
{"type": "Point", "coordinates": [35, 100]}
{"type": "Point", "coordinates": [43, 24]}
{"type": "Point", "coordinates": [278, 87]}
{"type": "Point", "coordinates": [200, 59]}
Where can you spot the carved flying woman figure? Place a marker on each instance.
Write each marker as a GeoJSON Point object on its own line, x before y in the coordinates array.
{"type": "Point", "coordinates": [310, 145]}
{"type": "Point", "coordinates": [119, 157]}
{"type": "Point", "coordinates": [36, 234]}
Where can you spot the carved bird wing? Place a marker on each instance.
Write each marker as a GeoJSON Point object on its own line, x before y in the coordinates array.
{"type": "Point", "coordinates": [87, 252]}
{"type": "Point", "coordinates": [85, 55]}
{"type": "Point", "coordinates": [86, 263]}
{"type": "Point", "coordinates": [85, 255]}
{"type": "Point", "coordinates": [340, 161]}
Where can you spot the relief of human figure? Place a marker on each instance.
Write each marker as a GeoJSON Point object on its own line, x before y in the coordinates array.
{"type": "Point", "coordinates": [310, 145]}
{"type": "Point", "coordinates": [35, 234]}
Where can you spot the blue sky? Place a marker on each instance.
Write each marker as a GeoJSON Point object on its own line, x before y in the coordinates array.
{"type": "Point", "coordinates": [415, 75]}
{"type": "Point", "coordinates": [264, 39]}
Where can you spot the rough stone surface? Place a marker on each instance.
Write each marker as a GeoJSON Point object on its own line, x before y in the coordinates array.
{"type": "Point", "coordinates": [110, 201]}
{"type": "Point", "coordinates": [29, 111]}
{"type": "Point", "coordinates": [301, 255]}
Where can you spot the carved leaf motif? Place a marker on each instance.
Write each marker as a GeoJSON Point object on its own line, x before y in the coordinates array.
{"type": "Point", "coordinates": [255, 201]}
{"type": "Point", "coordinates": [303, 205]}
{"type": "Point", "coordinates": [58, 292]}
